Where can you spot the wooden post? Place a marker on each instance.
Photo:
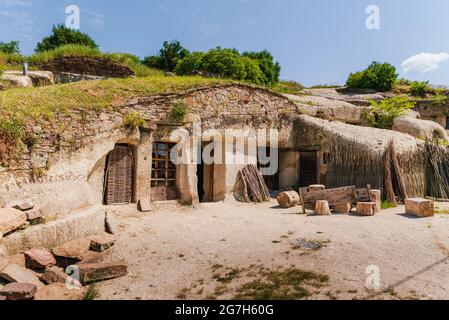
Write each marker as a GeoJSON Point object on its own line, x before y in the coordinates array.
{"type": "Point", "coordinates": [343, 208]}
{"type": "Point", "coordinates": [288, 199]}
{"type": "Point", "coordinates": [377, 199]}
{"type": "Point", "coordinates": [366, 208]}
{"type": "Point", "coordinates": [322, 208]}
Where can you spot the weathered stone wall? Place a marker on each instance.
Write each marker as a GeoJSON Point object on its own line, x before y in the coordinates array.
{"type": "Point", "coordinates": [433, 110]}
{"type": "Point", "coordinates": [64, 166]}
{"type": "Point", "coordinates": [95, 66]}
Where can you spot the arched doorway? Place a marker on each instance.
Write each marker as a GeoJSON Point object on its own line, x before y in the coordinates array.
{"type": "Point", "coordinates": [119, 176]}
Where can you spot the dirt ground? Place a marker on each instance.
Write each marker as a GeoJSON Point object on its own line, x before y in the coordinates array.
{"type": "Point", "coordinates": [213, 251]}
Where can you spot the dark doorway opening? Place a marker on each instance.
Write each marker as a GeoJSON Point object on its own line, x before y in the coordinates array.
{"type": "Point", "coordinates": [272, 181]}
{"type": "Point", "coordinates": [119, 176]}
{"type": "Point", "coordinates": [200, 175]}
{"type": "Point", "coordinates": [308, 168]}
{"type": "Point", "coordinates": [205, 174]}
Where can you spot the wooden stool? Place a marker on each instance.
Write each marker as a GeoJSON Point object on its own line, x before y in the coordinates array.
{"type": "Point", "coordinates": [288, 199]}
{"type": "Point", "coordinates": [366, 208]}
{"type": "Point", "coordinates": [420, 208]}
{"type": "Point", "coordinates": [377, 198]}
{"type": "Point", "coordinates": [322, 208]}
{"type": "Point", "coordinates": [343, 208]}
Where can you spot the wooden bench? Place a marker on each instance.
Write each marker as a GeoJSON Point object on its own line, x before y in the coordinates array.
{"type": "Point", "coordinates": [336, 196]}
{"type": "Point", "coordinates": [332, 196]}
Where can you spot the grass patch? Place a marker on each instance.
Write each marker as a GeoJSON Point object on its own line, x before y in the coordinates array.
{"type": "Point", "coordinates": [290, 284]}
{"type": "Point", "coordinates": [387, 205]}
{"type": "Point", "coordinates": [34, 103]}
{"type": "Point", "coordinates": [178, 112]}
{"type": "Point", "coordinates": [133, 120]}
{"type": "Point", "coordinates": [92, 293]}
{"type": "Point", "coordinates": [438, 211]}
{"type": "Point", "coordinates": [228, 277]}
{"type": "Point", "coordinates": [289, 87]}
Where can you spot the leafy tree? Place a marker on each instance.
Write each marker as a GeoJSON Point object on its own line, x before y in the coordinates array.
{"type": "Point", "coordinates": [10, 47]}
{"type": "Point", "coordinates": [189, 64]}
{"type": "Point", "coordinates": [224, 63]}
{"type": "Point", "coordinates": [378, 76]}
{"type": "Point", "coordinates": [62, 36]}
{"type": "Point", "coordinates": [271, 70]}
{"type": "Point", "coordinates": [169, 56]}
{"type": "Point", "coordinates": [382, 114]}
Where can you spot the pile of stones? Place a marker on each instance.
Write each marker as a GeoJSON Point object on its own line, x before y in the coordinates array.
{"type": "Point", "coordinates": [20, 215]}
{"type": "Point", "coordinates": [63, 273]}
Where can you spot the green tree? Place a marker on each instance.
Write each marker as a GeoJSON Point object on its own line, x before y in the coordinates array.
{"type": "Point", "coordinates": [189, 64]}
{"type": "Point", "coordinates": [378, 76]}
{"type": "Point", "coordinates": [62, 36]}
{"type": "Point", "coordinates": [382, 113]}
{"type": "Point", "coordinates": [169, 56]}
{"type": "Point", "coordinates": [224, 63]}
{"type": "Point", "coordinates": [10, 47]}
{"type": "Point", "coordinates": [271, 70]}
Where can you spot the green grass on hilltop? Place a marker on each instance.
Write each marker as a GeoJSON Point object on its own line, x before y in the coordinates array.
{"type": "Point", "coordinates": [14, 61]}
{"type": "Point", "coordinates": [289, 87]}
{"type": "Point", "coordinates": [32, 103]}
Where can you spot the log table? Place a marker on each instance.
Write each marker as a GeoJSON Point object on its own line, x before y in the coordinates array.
{"type": "Point", "coordinates": [420, 208]}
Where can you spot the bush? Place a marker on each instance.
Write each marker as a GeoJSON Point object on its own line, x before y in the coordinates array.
{"type": "Point", "coordinates": [168, 57]}
{"type": "Point", "coordinates": [226, 63]}
{"type": "Point", "coordinates": [419, 89]}
{"type": "Point", "coordinates": [133, 120]}
{"type": "Point", "coordinates": [178, 112]}
{"type": "Point", "coordinates": [382, 114]}
{"type": "Point", "coordinates": [378, 76]}
{"type": "Point", "coordinates": [62, 36]}
{"type": "Point", "coordinates": [10, 47]}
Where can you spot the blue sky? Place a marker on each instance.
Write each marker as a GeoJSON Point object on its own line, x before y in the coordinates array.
{"type": "Point", "coordinates": [316, 41]}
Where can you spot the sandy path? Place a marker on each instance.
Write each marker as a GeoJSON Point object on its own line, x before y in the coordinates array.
{"type": "Point", "coordinates": [171, 249]}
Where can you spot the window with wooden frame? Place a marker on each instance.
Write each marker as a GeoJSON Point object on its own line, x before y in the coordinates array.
{"type": "Point", "coordinates": [163, 173]}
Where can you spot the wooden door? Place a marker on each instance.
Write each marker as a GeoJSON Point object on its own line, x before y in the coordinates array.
{"type": "Point", "coordinates": [119, 176]}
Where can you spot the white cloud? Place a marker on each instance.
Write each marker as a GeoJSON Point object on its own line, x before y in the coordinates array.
{"type": "Point", "coordinates": [15, 3]}
{"type": "Point", "coordinates": [95, 20]}
{"type": "Point", "coordinates": [424, 62]}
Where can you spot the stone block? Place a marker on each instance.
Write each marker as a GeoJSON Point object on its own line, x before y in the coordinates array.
{"type": "Point", "coordinates": [19, 291]}
{"type": "Point", "coordinates": [39, 259]}
{"type": "Point", "coordinates": [101, 271]}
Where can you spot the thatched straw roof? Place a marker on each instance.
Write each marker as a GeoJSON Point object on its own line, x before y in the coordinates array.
{"type": "Point", "coordinates": [375, 139]}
